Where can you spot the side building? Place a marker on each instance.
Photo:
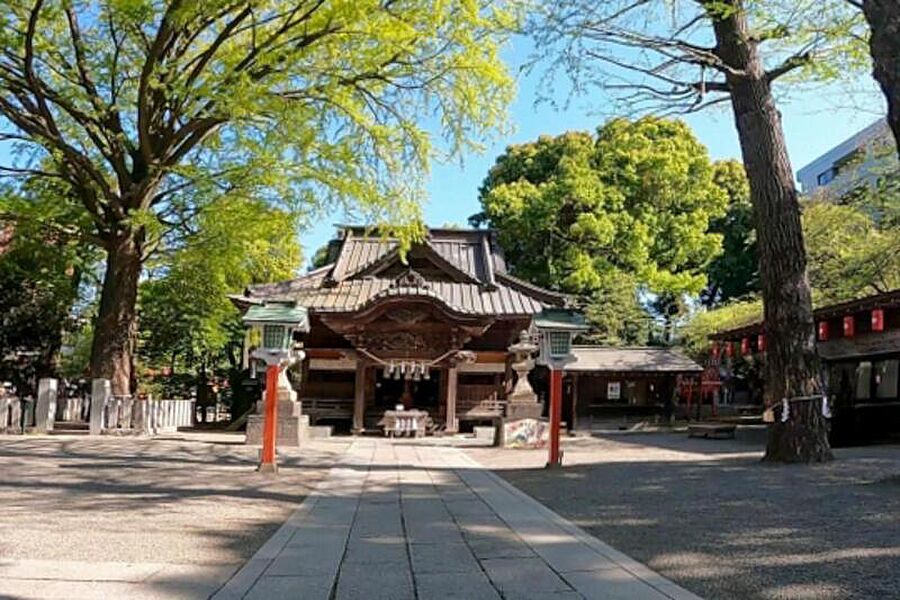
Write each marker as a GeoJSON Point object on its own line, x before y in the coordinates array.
{"type": "Point", "coordinates": [859, 344]}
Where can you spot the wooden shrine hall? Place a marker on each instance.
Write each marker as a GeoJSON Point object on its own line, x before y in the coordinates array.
{"type": "Point", "coordinates": [431, 330]}
{"type": "Point", "coordinates": [858, 342]}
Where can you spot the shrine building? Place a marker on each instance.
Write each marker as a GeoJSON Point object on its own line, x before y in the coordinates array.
{"type": "Point", "coordinates": [431, 330]}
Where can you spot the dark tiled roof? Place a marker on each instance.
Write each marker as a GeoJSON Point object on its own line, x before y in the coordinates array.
{"type": "Point", "coordinates": [478, 282]}
{"type": "Point", "coordinates": [888, 299]}
{"type": "Point", "coordinates": [644, 360]}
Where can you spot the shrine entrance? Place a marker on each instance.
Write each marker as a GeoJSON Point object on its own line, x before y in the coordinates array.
{"type": "Point", "coordinates": [413, 393]}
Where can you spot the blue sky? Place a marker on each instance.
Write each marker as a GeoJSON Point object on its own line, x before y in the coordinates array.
{"type": "Point", "coordinates": [814, 121]}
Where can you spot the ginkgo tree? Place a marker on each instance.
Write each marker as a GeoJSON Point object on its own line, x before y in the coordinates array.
{"type": "Point", "coordinates": [151, 110]}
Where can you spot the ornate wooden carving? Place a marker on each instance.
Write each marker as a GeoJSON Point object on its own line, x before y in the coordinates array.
{"type": "Point", "coordinates": [407, 314]}
{"type": "Point", "coordinates": [408, 328]}
{"type": "Point", "coordinates": [411, 278]}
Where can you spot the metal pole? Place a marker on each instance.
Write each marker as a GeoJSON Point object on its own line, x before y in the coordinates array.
{"type": "Point", "coordinates": [555, 417]}
{"type": "Point", "coordinates": [268, 463]}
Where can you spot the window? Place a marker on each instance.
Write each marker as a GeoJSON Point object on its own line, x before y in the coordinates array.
{"type": "Point", "coordinates": [273, 336]}
{"type": "Point", "coordinates": [559, 343]}
{"type": "Point", "coordinates": [864, 380]}
{"type": "Point", "coordinates": [826, 176]}
{"type": "Point", "coordinates": [886, 378]}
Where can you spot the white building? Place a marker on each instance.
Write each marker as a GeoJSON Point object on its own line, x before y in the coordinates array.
{"type": "Point", "coordinates": [861, 159]}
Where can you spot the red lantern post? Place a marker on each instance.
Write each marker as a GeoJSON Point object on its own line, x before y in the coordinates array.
{"type": "Point", "coordinates": [555, 459]}
{"type": "Point", "coordinates": [267, 463]}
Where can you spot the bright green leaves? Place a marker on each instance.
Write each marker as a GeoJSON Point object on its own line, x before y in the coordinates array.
{"type": "Point", "coordinates": [186, 317]}
{"type": "Point", "coordinates": [850, 254]}
{"type": "Point", "coordinates": [342, 102]}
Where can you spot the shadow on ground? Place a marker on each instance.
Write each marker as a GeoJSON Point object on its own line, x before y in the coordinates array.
{"type": "Point", "coordinates": [709, 515]}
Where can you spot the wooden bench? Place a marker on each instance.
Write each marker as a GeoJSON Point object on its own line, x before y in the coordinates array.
{"type": "Point", "coordinates": [715, 431]}
{"type": "Point", "coordinates": [327, 408]}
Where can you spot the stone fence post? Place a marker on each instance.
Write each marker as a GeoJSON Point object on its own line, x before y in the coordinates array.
{"type": "Point", "coordinates": [45, 411]}
{"type": "Point", "coordinates": [101, 392]}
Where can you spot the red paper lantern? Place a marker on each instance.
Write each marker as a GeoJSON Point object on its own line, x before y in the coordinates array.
{"type": "Point", "coordinates": [761, 342]}
{"type": "Point", "coordinates": [729, 349]}
{"type": "Point", "coordinates": [714, 350]}
{"type": "Point", "coordinates": [849, 326]}
{"type": "Point", "coordinates": [878, 319]}
{"type": "Point", "coordinates": [823, 331]}
{"type": "Point", "coordinates": [745, 346]}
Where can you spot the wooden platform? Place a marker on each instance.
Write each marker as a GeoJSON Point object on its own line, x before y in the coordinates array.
{"type": "Point", "coordinates": [716, 431]}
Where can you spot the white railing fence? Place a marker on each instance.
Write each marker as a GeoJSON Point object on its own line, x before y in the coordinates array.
{"type": "Point", "coordinates": [11, 414]}
{"type": "Point", "coordinates": [127, 415]}
{"type": "Point", "coordinates": [104, 412]}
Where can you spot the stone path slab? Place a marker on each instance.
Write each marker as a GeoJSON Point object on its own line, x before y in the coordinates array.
{"type": "Point", "coordinates": [406, 519]}
{"type": "Point", "coordinates": [79, 580]}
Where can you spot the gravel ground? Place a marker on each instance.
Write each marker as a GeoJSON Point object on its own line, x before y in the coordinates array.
{"type": "Point", "coordinates": [710, 516]}
{"type": "Point", "coordinates": [190, 498]}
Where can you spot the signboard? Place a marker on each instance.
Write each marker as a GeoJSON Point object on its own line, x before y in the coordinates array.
{"type": "Point", "coordinates": [614, 390]}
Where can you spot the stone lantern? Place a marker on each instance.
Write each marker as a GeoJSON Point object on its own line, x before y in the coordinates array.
{"type": "Point", "coordinates": [522, 402]}
{"type": "Point", "coordinates": [278, 418]}
{"type": "Point", "coordinates": [557, 327]}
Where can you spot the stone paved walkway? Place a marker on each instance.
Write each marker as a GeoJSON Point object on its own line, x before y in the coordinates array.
{"type": "Point", "coordinates": [406, 520]}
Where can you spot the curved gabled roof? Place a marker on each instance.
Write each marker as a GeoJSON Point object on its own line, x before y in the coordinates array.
{"type": "Point", "coordinates": [474, 278]}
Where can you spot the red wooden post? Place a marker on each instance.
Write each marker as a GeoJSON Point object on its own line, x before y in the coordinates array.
{"type": "Point", "coordinates": [690, 392]}
{"type": "Point", "coordinates": [268, 464]}
{"type": "Point", "coordinates": [555, 417]}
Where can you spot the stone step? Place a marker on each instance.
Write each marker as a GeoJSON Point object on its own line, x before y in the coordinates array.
{"type": "Point", "coordinates": [319, 432]}
{"type": "Point", "coordinates": [70, 427]}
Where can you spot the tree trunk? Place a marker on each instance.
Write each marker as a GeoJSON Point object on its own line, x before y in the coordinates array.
{"type": "Point", "coordinates": [884, 45]}
{"type": "Point", "coordinates": [792, 366]}
{"type": "Point", "coordinates": [113, 346]}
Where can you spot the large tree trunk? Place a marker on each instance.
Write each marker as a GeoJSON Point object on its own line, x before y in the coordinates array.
{"type": "Point", "coordinates": [792, 366]}
{"type": "Point", "coordinates": [114, 333]}
{"type": "Point", "coordinates": [884, 44]}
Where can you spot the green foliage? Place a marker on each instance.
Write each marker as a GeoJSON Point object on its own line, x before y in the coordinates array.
{"type": "Point", "coordinates": [695, 334]}
{"type": "Point", "coordinates": [186, 319]}
{"type": "Point", "coordinates": [850, 254]}
{"type": "Point", "coordinates": [151, 111]}
{"type": "Point", "coordinates": [735, 272]}
{"type": "Point", "coordinates": [305, 104]}
{"type": "Point", "coordinates": [616, 314]}
{"type": "Point", "coordinates": [43, 263]}
{"type": "Point", "coordinates": [630, 206]}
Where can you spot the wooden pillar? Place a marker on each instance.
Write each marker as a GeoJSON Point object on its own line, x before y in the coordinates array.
{"type": "Point", "coordinates": [359, 397]}
{"type": "Point", "coordinates": [574, 424]}
{"type": "Point", "coordinates": [452, 421]}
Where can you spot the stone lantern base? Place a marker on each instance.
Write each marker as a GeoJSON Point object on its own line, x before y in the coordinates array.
{"type": "Point", "coordinates": [291, 428]}
{"type": "Point", "coordinates": [523, 410]}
